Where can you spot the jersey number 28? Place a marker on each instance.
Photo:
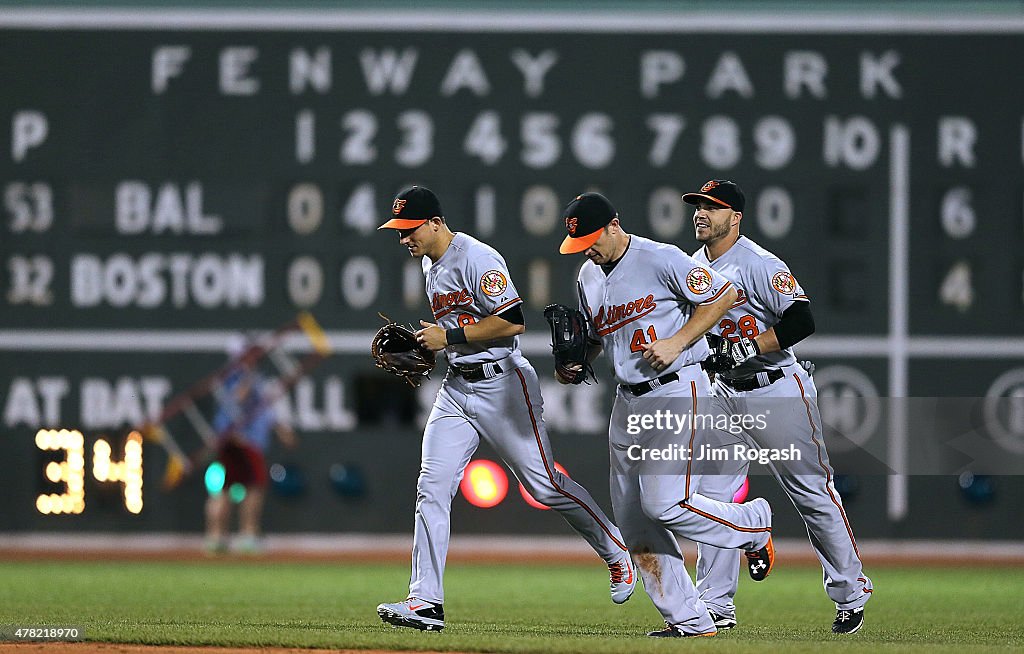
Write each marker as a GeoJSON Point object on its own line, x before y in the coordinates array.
{"type": "Point", "coordinates": [746, 326]}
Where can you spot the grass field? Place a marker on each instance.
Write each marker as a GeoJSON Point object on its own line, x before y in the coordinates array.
{"type": "Point", "coordinates": [508, 608]}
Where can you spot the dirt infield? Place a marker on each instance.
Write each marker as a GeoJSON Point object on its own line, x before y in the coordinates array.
{"type": "Point", "coordinates": [793, 555]}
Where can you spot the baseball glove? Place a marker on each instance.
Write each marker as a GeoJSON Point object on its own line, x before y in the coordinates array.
{"type": "Point", "coordinates": [726, 354]}
{"type": "Point", "coordinates": [570, 343]}
{"type": "Point", "coordinates": [394, 348]}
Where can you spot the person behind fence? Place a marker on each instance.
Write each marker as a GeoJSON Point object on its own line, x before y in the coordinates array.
{"type": "Point", "coordinates": [244, 422]}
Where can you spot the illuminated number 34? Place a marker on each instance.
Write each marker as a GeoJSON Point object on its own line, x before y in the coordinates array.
{"type": "Point", "coordinates": [70, 473]}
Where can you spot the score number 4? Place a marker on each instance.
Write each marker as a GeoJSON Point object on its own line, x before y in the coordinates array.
{"type": "Point", "coordinates": [71, 471]}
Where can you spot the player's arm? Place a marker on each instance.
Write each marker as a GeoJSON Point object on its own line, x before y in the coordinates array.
{"type": "Point", "coordinates": [595, 345]}
{"type": "Point", "coordinates": [503, 325]}
{"type": "Point", "coordinates": [779, 291]}
{"type": "Point", "coordinates": [664, 351]}
{"type": "Point", "coordinates": [795, 325]}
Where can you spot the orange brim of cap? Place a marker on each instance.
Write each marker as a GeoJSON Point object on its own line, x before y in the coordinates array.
{"type": "Point", "coordinates": [572, 245]}
{"type": "Point", "coordinates": [402, 223]}
{"type": "Point", "coordinates": [694, 198]}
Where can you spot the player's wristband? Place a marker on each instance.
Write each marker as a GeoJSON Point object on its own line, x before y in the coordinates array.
{"type": "Point", "coordinates": [455, 335]}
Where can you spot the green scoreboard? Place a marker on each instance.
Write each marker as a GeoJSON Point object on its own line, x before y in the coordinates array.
{"type": "Point", "coordinates": [171, 177]}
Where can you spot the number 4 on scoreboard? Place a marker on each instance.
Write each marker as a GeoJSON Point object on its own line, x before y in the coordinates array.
{"type": "Point", "coordinates": [957, 290]}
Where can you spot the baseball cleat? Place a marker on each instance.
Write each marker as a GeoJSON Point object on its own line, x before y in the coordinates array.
{"type": "Point", "coordinates": [675, 631]}
{"type": "Point", "coordinates": [722, 622]}
{"type": "Point", "coordinates": [623, 579]}
{"type": "Point", "coordinates": [413, 612]}
{"type": "Point", "coordinates": [760, 562]}
{"type": "Point", "coordinates": [848, 621]}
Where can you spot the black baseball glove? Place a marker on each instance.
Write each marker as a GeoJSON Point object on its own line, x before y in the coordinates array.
{"type": "Point", "coordinates": [726, 354]}
{"type": "Point", "coordinates": [570, 343]}
{"type": "Point", "coordinates": [394, 348]}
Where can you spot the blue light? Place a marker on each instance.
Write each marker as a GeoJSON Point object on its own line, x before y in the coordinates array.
{"type": "Point", "coordinates": [348, 480]}
{"type": "Point", "coordinates": [214, 478]}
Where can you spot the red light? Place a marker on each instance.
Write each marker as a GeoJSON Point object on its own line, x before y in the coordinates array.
{"type": "Point", "coordinates": [741, 494]}
{"type": "Point", "coordinates": [484, 483]}
{"type": "Point", "coordinates": [529, 498]}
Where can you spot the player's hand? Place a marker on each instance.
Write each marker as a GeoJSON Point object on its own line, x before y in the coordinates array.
{"type": "Point", "coordinates": [431, 336]}
{"type": "Point", "coordinates": [661, 353]}
{"type": "Point", "coordinates": [565, 374]}
{"type": "Point", "coordinates": [726, 353]}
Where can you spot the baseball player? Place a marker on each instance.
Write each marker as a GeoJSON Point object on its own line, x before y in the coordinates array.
{"type": "Point", "coordinates": [490, 391]}
{"type": "Point", "coordinates": [771, 314]}
{"type": "Point", "coordinates": [650, 305]}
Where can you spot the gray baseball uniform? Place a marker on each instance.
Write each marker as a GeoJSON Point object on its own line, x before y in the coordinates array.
{"type": "Point", "coordinates": [469, 282]}
{"type": "Point", "coordinates": [650, 293]}
{"type": "Point", "coordinates": [787, 399]}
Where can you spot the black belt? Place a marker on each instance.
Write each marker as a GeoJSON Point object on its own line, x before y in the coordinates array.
{"type": "Point", "coordinates": [760, 380]}
{"type": "Point", "coordinates": [646, 387]}
{"type": "Point", "coordinates": [475, 371]}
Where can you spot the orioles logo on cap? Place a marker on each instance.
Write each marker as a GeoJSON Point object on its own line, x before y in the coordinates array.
{"type": "Point", "coordinates": [398, 206]}
{"type": "Point", "coordinates": [708, 186]}
{"type": "Point", "coordinates": [570, 224]}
